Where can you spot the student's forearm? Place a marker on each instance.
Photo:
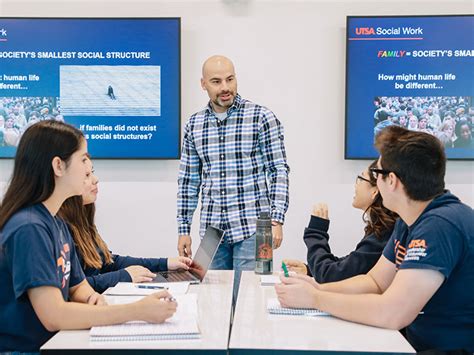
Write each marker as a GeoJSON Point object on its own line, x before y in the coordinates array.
{"type": "Point", "coordinates": [55, 313]}
{"type": "Point", "coordinates": [354, 285]}
{"type": "Point", "coordinates": [81, 292]}
{"type": "Point", "coordinates": [367, 309]}
{"type": "Point", "coordinates": [392, 309]}
{"type": "Point", "coordinates": [83, 316]}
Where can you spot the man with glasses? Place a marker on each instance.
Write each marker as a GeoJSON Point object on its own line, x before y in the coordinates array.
{"type": "Point", "coordinates": [424, 280]}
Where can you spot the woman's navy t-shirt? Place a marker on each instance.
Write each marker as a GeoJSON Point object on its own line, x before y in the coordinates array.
{"type": "Point", "coordinates": [36, 250]}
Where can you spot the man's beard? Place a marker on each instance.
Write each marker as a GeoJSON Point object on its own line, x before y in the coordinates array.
{"type": "Point", "coordinates": [219, 103]}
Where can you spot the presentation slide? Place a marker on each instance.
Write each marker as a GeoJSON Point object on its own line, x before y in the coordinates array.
{"type": "Point", "coordinates": [116, 79]}
{"type": "Point", "coordinates": [416, 72]}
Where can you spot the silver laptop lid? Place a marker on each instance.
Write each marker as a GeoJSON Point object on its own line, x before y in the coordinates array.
{"type": "Point", "coordinates": [206, 251]}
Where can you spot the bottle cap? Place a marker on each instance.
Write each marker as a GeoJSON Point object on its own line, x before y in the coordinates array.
{"type": "Point", "coordinates": [264, 219]}
{"type": "Point", "coordinates": [264, 215]}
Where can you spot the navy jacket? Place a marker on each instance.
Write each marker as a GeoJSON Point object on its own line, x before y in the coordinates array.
{"type": "Point", "coordinates": [111, 274]}
{"type": "Point", "coordinates": [326, 267]}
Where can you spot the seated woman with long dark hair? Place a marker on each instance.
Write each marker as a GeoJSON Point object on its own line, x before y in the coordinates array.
{"type": "Point", "coordinates": [43, 288]}
{"type": "Point", "coordinates": [323, 265]}
{"type": "Point", "coordinates": [102, 268]}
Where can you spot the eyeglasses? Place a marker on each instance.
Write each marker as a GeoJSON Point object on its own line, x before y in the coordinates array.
{"type": "Point", "coordinates": [375, 172]}
{"type": "Point", "coordinates": [358, 177]}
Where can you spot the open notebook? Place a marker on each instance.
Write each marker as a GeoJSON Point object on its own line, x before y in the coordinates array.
{"type": "Point", "coordinates": [274, 307]}
{"type": "Point", "coordinates": [183, 325]}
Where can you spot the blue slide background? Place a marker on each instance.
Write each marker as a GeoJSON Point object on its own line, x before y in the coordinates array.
{"type": "Point", "coordinates": [363, 67]}
{"type": "Point", "coordinates": [159, 36]}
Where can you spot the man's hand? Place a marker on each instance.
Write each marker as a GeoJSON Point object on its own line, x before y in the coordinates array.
{"type": "Point", "coordinates": [184, 246]}
{"type": "Point", "coordinates": [305, 278]}
{"type": "Point", "coordinates": [320, 210]}
{"type": "Point", "coordinates": [277, 233]}
{"type": "Point", "coordinates": [296, 293]}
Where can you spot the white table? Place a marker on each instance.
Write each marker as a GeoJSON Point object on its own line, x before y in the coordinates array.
{"type": "Point", "coordinates": [214, 312]}
{"type": "Point", "coordinates": [255, 331]}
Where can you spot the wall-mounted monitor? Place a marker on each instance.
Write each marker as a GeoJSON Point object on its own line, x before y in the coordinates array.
{"type": "Point", "coordinates": [116, 79]}
{"type": "Point", "coordinates": [413, 71]}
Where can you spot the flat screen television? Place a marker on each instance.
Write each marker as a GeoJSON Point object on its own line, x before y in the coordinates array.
{"type": "Point", "coordinates": [415, 71]}
{"type": "Point", "coordinates": [116, 79]}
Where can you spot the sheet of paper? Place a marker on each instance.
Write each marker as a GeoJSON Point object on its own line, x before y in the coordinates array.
{"type": "Point", "coordinates": [144, 289]}
{"type": "Point", "coordinates": [122, 299]}
{"type": "Point", "coordinates": [269, 280]}
{"type": "Point", "coordinates": [186, 303]}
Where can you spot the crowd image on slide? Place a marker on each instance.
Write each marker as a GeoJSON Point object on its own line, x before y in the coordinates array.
{"type": "Point", "coordinates": [451, 119]}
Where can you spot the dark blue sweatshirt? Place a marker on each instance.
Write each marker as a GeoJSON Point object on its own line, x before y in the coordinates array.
{"type": "Point", "coordinates": [111, 274]}
{"type": "Point", "coordinates": [325, 267]}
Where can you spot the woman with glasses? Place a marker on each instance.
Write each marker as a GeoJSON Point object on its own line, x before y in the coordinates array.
{"type": "Point", "coordinates": [323, 265]}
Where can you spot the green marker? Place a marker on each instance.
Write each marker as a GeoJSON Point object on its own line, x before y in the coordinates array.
{"type": "Point", "coordinates": [285, 269]}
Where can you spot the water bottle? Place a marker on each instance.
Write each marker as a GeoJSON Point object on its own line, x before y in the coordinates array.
{"type": "Point", "coordinates": [263, 245]}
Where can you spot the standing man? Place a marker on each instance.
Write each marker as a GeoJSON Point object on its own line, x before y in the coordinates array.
{"type": "Point", "coordinates": [233, 153]}
{"type": "Point", "coordinates": [424, 280]}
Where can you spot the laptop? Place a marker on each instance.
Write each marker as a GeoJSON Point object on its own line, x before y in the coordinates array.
{"type": "Point", "coordinates": [203, 258]}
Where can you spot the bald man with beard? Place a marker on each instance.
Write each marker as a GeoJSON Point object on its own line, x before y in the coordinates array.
{"type": "Point", "coordinates": [233, 154]}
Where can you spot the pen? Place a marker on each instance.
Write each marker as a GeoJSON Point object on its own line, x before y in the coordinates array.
{"type": "Point", "coordinates": [151, 287]}
{"type": "Point", "coordinates": [285, 269]}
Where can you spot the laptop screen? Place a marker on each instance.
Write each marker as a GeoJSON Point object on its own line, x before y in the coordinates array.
{"type": "Point", "coordinates": [206, 251]}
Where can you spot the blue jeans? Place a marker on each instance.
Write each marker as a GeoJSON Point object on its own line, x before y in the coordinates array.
{"type": "Point", "coordinates": [16, 353]}
{"type": "Point", "coordinates": [238, 256]}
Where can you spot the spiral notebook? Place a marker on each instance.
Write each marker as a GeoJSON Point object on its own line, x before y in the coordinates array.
{"type": "Point", "coordinates": [183, 325]}
{"type": "Point", "coordinates": [274, 307]}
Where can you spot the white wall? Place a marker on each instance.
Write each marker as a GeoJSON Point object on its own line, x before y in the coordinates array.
{"type": "Point", "coordinates": [289, 56]}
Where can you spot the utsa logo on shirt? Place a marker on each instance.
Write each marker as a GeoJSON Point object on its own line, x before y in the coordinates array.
{"type": "Point", "coordinates": [64, 265]}
{"type": "Point", "coordinates": [416, 251]}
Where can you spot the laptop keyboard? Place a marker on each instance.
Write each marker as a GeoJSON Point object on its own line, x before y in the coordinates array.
{"type": "Point", "coordinates": [177, 276]}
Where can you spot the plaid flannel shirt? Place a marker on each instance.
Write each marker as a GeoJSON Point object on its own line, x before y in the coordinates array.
{"type": "Point", "coordinates": [239, 167]}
